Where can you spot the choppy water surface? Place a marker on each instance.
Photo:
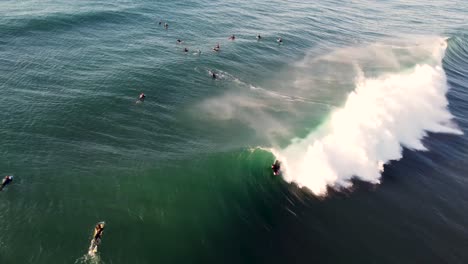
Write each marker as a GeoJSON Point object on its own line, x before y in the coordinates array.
{"type": "Point", "coordinates": [364, 102]}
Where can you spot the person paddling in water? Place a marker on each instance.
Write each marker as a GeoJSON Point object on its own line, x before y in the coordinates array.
{"type": "Point", "coordinates": [217, 48]}
{"type": "Point", "coordinates": [96, 240]}
{"type": "Point", "coordinates": [141, 98]}
{"type": "Point", "coordinates": [7, 180]}
{"type": "Point", "coordinates": [98, 229]}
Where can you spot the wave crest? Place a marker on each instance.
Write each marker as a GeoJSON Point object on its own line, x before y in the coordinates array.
{"type": "Point", "coordinates": [380, 116]}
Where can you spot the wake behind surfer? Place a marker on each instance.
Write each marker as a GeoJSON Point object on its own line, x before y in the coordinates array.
{"type": "Point", "coordinates": [275, 167]}
{"type": "Point", "coordinates": [7, 180]}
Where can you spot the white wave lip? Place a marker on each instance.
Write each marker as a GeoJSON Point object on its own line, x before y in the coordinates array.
{"type": "Point", "coordinates": [379, 117]}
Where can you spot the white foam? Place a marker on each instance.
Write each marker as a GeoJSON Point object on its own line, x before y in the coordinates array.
{"type": "Point", "coordinates": [380, 116]}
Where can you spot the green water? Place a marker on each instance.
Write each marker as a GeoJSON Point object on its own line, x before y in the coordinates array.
{"type": "Point", "coordinates": [180, 178]}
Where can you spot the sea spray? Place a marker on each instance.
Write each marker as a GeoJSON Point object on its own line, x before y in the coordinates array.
{"type": "Point", "coordinates": [380, 116]}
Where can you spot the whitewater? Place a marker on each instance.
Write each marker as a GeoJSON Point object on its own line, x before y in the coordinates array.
{"type": "Point", "coordinates": [380, 117]}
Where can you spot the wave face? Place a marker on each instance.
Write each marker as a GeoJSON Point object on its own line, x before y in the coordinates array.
{"type": "Point", "coordinates": [383, 114]}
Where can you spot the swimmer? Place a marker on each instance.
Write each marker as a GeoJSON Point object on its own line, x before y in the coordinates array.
{"type": "Point", "coordinates": [279, 40]}
{"type": "Point", "coordinates": [259, 37]}
{"type": "Point", "coordinates": [232, 37]}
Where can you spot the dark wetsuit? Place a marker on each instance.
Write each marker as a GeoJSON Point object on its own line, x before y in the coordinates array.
{"type": "Point", "coordinates": [276, 167]}
{"type": "Point", "coordinates": [6, 181]}
{"type": "Point", "coordinates": [98, 232]}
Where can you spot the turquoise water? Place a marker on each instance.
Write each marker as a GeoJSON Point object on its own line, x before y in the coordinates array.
{"type": "Point", "coordinates": [184, 176]}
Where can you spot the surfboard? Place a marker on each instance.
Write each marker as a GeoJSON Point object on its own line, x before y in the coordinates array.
{"type": "Point", "coordinates": [93, 247]}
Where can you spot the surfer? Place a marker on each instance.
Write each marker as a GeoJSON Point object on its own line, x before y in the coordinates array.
{"type": "Point", "coordinates": [142, 97]}
{"type": "Point", "coordinates": [179, 41]}
{"type": "Point", "coordinates": [166, 26]}
{"type": "Point", "coordinates": [217, 47]}
{"type": "Point", "coordinates": [276, 167]}
{"type": "Point", "coordinates": [98, 229]}
{"type": "Point", "coordinates": [185, 50]}
{"type": "Point", "coordinates": [259, 37]}
{"type": "Point", "coordinates": [279, 40]}
{"type": "Point", "coordinates": [213, 75]}
{"type": "Point", "coordinates": [160, 22]}
{"type": "Point", "coordinates": [7, 180]}
{"type": "Point", "coordinates": [96, 241]}
{"type": "Point", "coordinates": [232, 37]}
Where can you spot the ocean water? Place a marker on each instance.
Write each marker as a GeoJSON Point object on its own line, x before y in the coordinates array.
{"type": "Point", "coordinates": [364, 102]}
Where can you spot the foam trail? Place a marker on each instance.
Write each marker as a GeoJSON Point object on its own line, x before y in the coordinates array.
{"type": "Point", "coordinates": [380, 116]}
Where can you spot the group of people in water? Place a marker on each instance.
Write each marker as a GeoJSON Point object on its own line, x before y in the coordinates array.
{"type": "Point", "coordinates": [216, 48]}
{"type": "Point", "coordinates": [275, 166]}
{"type": "Point", "coordinates": [99, 228]}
